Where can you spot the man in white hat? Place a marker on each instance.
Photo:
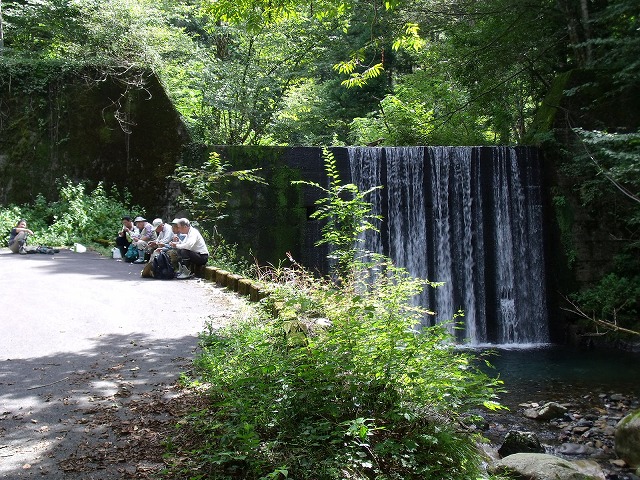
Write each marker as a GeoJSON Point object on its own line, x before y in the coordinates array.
{"type": "Point", "coordinates": [147, 234]}
{"type": "Point", "coordinates": [164, 233]}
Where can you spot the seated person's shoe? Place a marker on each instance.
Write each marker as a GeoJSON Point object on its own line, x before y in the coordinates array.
{"type": "Point", "coordinates": [138, 261]}
{"type": "Point", "coordinates": [184, 273]}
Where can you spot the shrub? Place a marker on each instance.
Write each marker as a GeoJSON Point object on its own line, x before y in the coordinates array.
{"type": "Point", "coordinates": [333, 380]}
{"type": "Point", "coordinates": [77, 216]}
{"type": "Point", "coordinates": [335, 383]}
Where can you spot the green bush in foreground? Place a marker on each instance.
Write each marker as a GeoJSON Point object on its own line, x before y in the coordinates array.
{"type": "Point", "coordinates": [333, 383]}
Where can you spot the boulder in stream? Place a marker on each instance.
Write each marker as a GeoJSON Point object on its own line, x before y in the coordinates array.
{"type": "Point", "coordinates": [516, 441]}
{"type": "Point", "coordinates": [548, 411]}
{"type": "Point", "coordinates": [541, 466]}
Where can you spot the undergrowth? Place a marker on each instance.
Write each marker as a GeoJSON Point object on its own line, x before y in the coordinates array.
{"type": "Point", "coordinates": [91, 218]}
{"type": "Point", "coordinates": [327, 383]}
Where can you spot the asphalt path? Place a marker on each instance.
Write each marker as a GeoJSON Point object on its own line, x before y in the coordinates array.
{"type": "Point", "coordinates": [78, 331]}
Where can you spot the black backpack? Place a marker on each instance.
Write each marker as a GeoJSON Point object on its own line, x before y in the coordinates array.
{"type": "Point", "coordinates": [162, 268]}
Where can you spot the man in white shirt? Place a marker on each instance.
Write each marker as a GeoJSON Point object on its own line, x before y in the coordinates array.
{"type": "Point", "coordinates": [191, 249]}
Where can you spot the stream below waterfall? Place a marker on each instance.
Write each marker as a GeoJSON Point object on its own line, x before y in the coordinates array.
{"type": "Point", "coordinates": [599, 387]}
{"type": "Point", "coordinates": [562, 373]}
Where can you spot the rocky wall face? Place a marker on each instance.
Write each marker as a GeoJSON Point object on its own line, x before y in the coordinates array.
{"type": "Point", "coordinates": [118, 128]}
{"type": "Point", "coordinates": [269, 221]}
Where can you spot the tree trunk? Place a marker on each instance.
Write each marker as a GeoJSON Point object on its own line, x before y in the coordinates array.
{"type": "Point", "coordinates": [586, 27]}
{"type": "Point", "coordinates": [1, 30]}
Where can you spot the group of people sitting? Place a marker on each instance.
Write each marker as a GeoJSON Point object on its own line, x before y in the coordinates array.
{"type": "Point", "coordinates": [179, 238]}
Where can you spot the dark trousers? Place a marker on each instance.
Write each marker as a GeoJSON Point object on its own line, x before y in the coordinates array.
{"type": "Point", "coordinates": [123, 244]}
{"type": "Point", "coordinates": [187, 257]}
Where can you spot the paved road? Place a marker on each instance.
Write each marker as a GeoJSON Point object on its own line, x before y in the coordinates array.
{"type": "Point", "coordinates": [80, 330]}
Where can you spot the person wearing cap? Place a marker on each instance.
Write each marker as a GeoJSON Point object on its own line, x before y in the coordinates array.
{"type": "Point", "coordinates": [146, 234]}
{"type": "Point", "coordinates": [192, 248]}
{"type": "Point", "coordinates": [126, 235]}
{"type": "Point", "coordinates": [164, 234]}
{"type": "Point", "coordinates": [165, 246]}
{"type": "Point", "coordinates": [176, 236]}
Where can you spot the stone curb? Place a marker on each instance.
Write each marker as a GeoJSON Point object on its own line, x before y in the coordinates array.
{"type": "Point", "coordinates": [231, 281]}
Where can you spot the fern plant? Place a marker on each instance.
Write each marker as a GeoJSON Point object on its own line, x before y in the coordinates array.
{"type": "Point", "coordinates": [346, 214]}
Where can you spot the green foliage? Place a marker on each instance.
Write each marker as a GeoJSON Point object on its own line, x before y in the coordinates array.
{"type": "Point", "coordinates": [358, 79]}
{"type": "Point", "coordinates": [206, 188]}
{"type": "Point", "coordinates": [346, 214]}
{"type": "Point", "coordinates": [225, 256]}
{"type": "Point", "coordinates": [233, 68]}
{"type": "Point", "coordinates": [111, 32]}
{"type": "Point", "coordinates": [359, 393]}
{"type": "Point", "coordinates": [612, 43]}
{"type": "Point", "coordinates": [77, 216]}
{"type": "Point", "coordinates": [615, 299]}
{"type": "Point", "coordinates": [611, 165]}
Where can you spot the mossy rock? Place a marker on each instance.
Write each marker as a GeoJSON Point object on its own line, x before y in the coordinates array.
{"type": "Point", "coordinates": [627, 439]}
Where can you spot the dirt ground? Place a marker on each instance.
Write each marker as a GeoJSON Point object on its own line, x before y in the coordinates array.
{"type": "Point", "coordinates": [90, 354]}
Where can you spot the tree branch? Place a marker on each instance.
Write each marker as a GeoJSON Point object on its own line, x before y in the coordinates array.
{"type": "Point", "coordinates": [605, 323]}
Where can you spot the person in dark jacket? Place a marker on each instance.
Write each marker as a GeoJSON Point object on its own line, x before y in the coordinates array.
{"type": "Point", "coordinates": [125, 235]}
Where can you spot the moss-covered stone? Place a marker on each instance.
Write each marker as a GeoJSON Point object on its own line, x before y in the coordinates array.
{"type": "Point", "coordinates": [545, 117]}
{"type": "Point", "coordinates": [627, 439]}
{"type": "Point", "coordinates": [265, 221]}
{"type": "Point", "coordinates": [85, 124]}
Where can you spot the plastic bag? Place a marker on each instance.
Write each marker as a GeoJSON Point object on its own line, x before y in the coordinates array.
{"type": "Point", "coordinates": [132, 254]}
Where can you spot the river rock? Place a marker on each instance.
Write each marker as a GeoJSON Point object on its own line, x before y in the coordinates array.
{"type": "Point", "coordinates": [520, 442]}
{"type": "Point", "coordinates": [552, 410]}
{"type": "Point", "coordinates": [540, 466]}
{"type": "Point", "coordinates": [576, 449]}
{"type": "Point", "coordinates": [548, 411]}
{"type": "Point", "coordinates": [627, 439]}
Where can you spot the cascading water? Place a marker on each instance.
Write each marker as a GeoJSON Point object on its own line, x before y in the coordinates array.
{"type": "Point", "coordinates": [470, 217]}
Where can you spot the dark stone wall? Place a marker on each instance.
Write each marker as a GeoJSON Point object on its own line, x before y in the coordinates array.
{"type": "Point", "coordinates": [267, 221]}
{"type": "Point", "coordinates": [118, 128]}
{"type": "Point", "coordinates": [584, 241]}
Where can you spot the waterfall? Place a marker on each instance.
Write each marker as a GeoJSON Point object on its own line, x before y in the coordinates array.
{"type": "Point", "coordinates": [470, 217]}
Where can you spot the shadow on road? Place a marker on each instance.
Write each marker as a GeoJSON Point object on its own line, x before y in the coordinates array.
{"type": "Point", "coordinates": [84, 414]}
{"type": "Point", "coordinates": [68, 262]}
